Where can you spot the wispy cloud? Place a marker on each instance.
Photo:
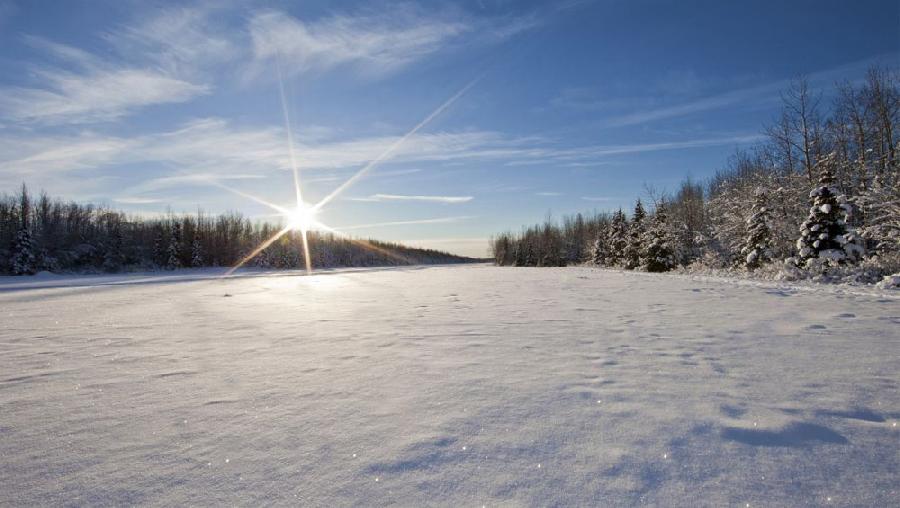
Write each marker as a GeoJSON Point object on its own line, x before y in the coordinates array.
{"type": "Point", "coordinates": [219, 149]}
{"type": "Point", "coordinates": [136, 200]}
{"type": "Point", "coordinates": [179, 180]}
{"type": "Point", "coordinates": [182, 41]}
{"type": "Point", "coordinates": [548, 194]}
{"type": "Point", "coordinates": [438, 220]}
{"type": "Point", "coordinates": [22, 156]}
{"type": "Point", "coordinates": [85, 88]}
{"type": "Point", "coordinates": [371, 44]}
{"type": "Point", "coordinates": [768, 93]}
{"type": "Point", "coordinates": [432, 199]}
{"type": "Point", "coordinates": [466, 246]}
{"type": "Point", "coordinates": [92, 97]}
{"type": "Point", "coordinates": [673, 145]}
{"type": "Point", "coordinates": [646, 109]}
{"type": "Point", "coordinates": [596, 198]}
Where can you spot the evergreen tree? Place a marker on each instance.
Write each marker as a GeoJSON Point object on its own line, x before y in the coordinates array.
{"type": "Point", "coordinates": [263, 259]}
{"type": "Point", "coordinates": [114, 257]}
{"type": "Point", "coordinates": [196, 251]}
{"type": "Point", "coordinates": [634, 250]}
{"type": "Point", "coordinates": [758, 245]}
{"type": "Point", "coordinates": [617, 239]}
{"type": "Point", "coordinates": [23, 261]}
{"type": "Point", "coordinates": [824, 234]}
{"type": "Point", "coordinates": [598, 251]}
{"type": "Point", "coordinates": [159, 253]}
{"type": "Point", "coordinates": [661, 244]}
{"type": "Point", "coordinates": [174, 251]}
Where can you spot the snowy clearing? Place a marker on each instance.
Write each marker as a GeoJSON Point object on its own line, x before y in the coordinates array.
{"type": "Point", "coordinates": [464, 386]}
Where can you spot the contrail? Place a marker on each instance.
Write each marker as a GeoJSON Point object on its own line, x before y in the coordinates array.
{"type": "Point", "coordinates": [385, 154]}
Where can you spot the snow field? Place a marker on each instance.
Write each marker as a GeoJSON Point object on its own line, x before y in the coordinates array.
{"type": "Point", "coordinates": [447, 386]}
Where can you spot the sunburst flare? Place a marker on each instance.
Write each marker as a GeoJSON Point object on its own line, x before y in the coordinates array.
{"type": "Point", "coordinates": [302, 217]}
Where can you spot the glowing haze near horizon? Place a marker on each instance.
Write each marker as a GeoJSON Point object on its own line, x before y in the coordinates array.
{"type": "Point", "coordinates": [566, 108]}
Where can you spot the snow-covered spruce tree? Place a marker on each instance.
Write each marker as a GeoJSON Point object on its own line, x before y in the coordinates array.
{"type": "Point", "coordinates": [616, 240]}
{"type": "Point", "coordinates": [824, 235]}
{"type": "Point", "coordinates": [661, 243]}
{"type": "Point", "coordinates": [757, 248]}
{"type": "Point", "coordinates": [196, 251]}
{"type": "Point", "coordinates": [23, 260]}
{"type": "Point", "coordinates": [173, 252]}
{"type": "Point", "coordinates": [598, 251]}
{"type": "Point", "coordinates": [634, 249]}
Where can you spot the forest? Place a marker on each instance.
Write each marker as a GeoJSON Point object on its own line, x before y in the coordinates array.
{"type": "Point", "coordinates": [818, 199]}
{"type": "Point", "coordinates": [45, 234]}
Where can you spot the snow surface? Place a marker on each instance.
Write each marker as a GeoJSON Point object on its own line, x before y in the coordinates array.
{"type": "Point", "coordinates": [462, 386]}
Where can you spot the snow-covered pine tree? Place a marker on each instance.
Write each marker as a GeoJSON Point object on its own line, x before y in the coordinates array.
{"type": "Point", "coordinates": [196, 251]}
{"type": "Point", "coordinates": [660, 242]}
{"type": "Point", "coordinates": [634, 250]}
{"type": "Point", "coordinates": [598, 251]}
{"type": "Point", "coordinates": [173, 252]}
{"type": "Point", "coordinates": [824, 235]}
{"type": "Point", "coordinates": [616, 239]}
{"type": "Point", "coordinates": [23, 260]}
{"type": "Point", "coordinates": [758, 245]}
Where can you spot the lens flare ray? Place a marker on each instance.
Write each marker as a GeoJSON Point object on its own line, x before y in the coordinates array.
{"type": "Point", "coordinates": [263, 246]}
{"type": "Point", "coordinates": [396, 144]}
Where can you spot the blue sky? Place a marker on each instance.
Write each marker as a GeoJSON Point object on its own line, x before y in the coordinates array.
{"type": "Point", "coordinates": [568, 106]}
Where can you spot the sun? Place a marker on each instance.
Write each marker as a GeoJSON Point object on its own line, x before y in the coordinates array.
{"type": "Point", "coordinates": [302, 218]}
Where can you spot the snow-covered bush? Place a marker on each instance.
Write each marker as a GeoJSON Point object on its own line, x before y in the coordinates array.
{"type": "Point", "coordinates": [890, 282]}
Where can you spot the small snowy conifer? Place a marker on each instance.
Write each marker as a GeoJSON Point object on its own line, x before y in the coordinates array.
{"type": "Point", "coordinates": [634, 250]}
{"type": "Point", "coordinates": [616, 239]}
{"type": "Point", "coordinates": [660, 241]}
{"type": "Point", "coordinates": [824, 234]}
{"type": "Point", "coordinates": [196, 251]}
{"type": "Point", "coordinates": [113, 257]}
{"type": "Point", "coordinates": [23, 260]}
{"type": "Point", "coordinates": [174, 251]}
{"type": "Point", "coordinates": [758, 245]}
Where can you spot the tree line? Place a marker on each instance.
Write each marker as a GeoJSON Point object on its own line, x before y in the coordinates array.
{"type": "Point", "coordinates": [45, 234]}
{"type": "Point", "coordinates": [820, 195]}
